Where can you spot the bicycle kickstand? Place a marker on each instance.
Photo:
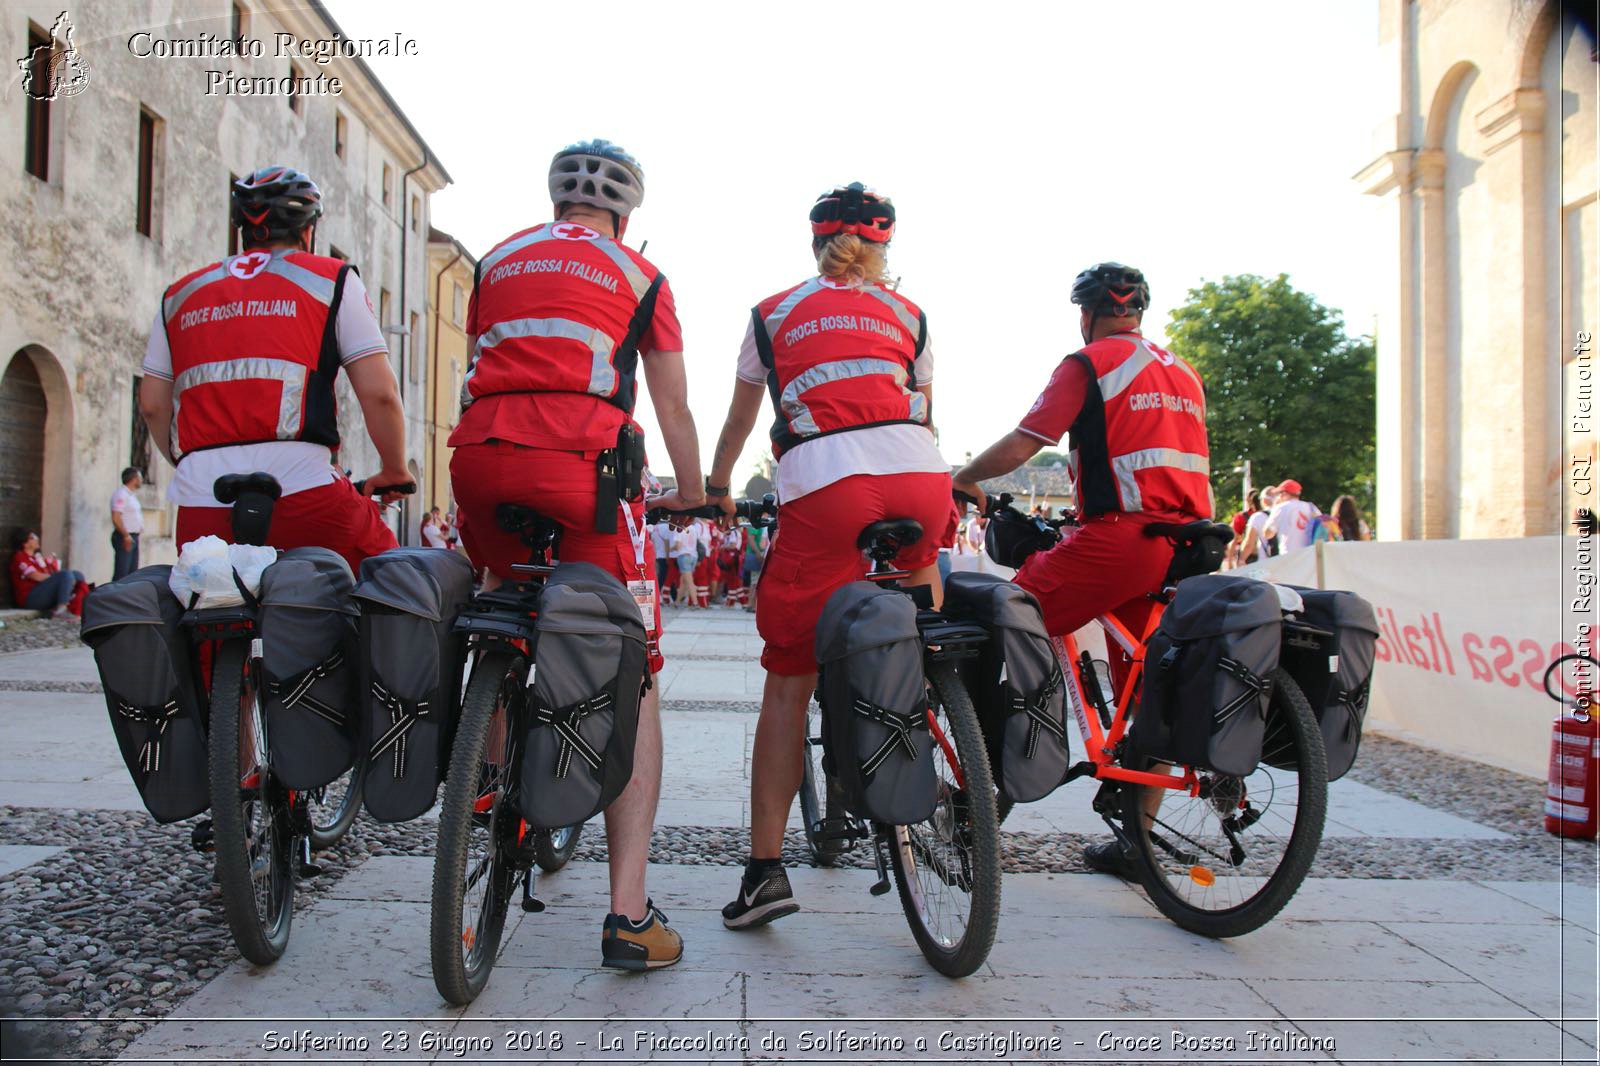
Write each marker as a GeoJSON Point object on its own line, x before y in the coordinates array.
{"type": "Point", "coordinates": [880, 855]}
{"type": "Point", "coordinates": [530, 903]}
{"type": "Point", "coordinates": [307, 867]}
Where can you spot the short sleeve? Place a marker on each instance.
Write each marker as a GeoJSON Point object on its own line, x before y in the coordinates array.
{"type": "Point", "coordinates": [750, 369]}
{"type": "Point", "coordinates": [664, 334]}
{"type": "Point", "coordinates": [1058, 406]}
{"type": "Point", "coordinates": [357, 331]}
{"type": "Point", "coordinates": [157, 354]}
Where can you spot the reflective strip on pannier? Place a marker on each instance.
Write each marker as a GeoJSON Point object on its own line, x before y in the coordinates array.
{"type": "Point", "coordinates": [308, 627]}
{"type": "Point", "coordinates": [876, 740]}
{"type": "Point", "coordinates": [1016, 685]}
{"type": "Point", "coordinates": [155, 704]}
{"type": "Point", "coordinates": [410, 680]}
{"type": "Point", "coordinates": [590, 672]}
{"type": "Point", "coordinates": [1203, 700]}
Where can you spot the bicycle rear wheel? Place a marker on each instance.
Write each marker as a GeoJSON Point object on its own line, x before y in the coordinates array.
{"type": "Point", "coordinates": [948, 867]}
{"type": "Point", "coordinates": [817, 794]}
{"type": "Point", "coordinates": [334, 806]}
{"type": "Point", "coordinates": [1225, 862]}
{"type": "Point", "coordinates": [553, 848]}
{"type": "Point", "coordinates": [473, 875]}
{"type": "Point", "coordinates": [249, 812]}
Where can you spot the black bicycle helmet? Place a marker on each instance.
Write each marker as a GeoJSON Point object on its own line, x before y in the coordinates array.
{"type": "Point", "coordinates": [1111, 288]}
{"type": "Point", "coordinates": [856, 209]}
{"type": "Point", "coordinates": [597, 172]}
{"type": "Point", "coordinates": [275, 203]}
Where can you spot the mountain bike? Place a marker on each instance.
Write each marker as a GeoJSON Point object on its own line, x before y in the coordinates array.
{"type": "Point", "coordinates": [1218, 855]}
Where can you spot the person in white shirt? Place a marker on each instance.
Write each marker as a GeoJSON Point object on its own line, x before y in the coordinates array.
{"type": "Point", "coordinates": [661, 542]}
{"type": "Point", "coordinates": [1256, 546]}
{"type": "Point", "coordinates": [127, 519]}
{"type": "Point", "coordinates": [1290, 520]}
{"type": "Point", "coordinates": [685, 554]}
{"type": "Point", "coordinates": [433, 531]}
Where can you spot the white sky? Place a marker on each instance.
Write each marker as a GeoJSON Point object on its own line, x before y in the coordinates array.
{"type": "Point", "coordinates": [1020, 143]}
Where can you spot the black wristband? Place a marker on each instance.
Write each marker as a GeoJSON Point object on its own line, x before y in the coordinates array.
{"type": "Point", "coordinates": [716, 491]}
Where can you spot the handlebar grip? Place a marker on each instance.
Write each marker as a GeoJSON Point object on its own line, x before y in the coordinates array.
{"type": "Point", "coordinates": [407, 488]}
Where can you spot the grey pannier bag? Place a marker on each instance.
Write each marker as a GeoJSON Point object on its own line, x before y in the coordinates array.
{"type": "Point", "coordinates": [410, 681]}
{"type": "Point", "coordinates": [1334, 667]}
{"type": "Point", "coordinates": [1207, 667]}
{"type": "Point", "coordinates": [875, 736]}
{"type": "Point", "coordinates": [589, 676]}
{"type": "Point", "coordinates": [156, 705]}
{"type": "Point", "coordinates": [1016, 684]}
{"type": "Point", "coordinates": [307, 624]}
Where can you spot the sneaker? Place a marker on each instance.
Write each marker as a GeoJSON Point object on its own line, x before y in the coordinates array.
{"type": "Point", "coordinates": [766, 902]}
{"type": "Point", "coordinates": [1106, 857]}
{"type": "Point", "coordinates": [649, 945]}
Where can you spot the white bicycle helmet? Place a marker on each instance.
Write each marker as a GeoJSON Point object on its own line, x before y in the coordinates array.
{"type": "Point", "coordinates": [597, 172]}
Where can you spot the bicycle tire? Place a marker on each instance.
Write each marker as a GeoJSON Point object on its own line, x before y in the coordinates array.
{"type": "Point", "coordinates": [1293, 739]}
{"type": "Point", "coordinates": [817, 805]}
{"type": "Point", "coordinates": [327, 831]}
{"type": "Point", "coordinates": [461, 974]}
{"type": "Point", "coordinates": [249, 825]}
{"type": "Point", "coordinates": [553, 848]}
{"type": "Point", "coordinates": [954, 956]}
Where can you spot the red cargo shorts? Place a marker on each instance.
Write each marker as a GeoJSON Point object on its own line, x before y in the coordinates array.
{"type": "Point", "coordinates": [333, 516]}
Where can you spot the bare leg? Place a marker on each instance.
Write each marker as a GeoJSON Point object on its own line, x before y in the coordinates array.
{"type": "Point", "coordinates": [631, 817]}
{"type": "Point", "coordinates": [776, 764]}
{"type": "Point", "coordinates": [686, 588]}
{"type": "Point", "coordinates": [928, 575]}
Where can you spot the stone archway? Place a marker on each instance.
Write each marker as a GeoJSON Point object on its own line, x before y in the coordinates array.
{"type": "Point", "coordinates": [35, 446]}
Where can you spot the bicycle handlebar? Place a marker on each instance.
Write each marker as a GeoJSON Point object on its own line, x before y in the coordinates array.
{"type": "Point", "coordinates": [756, 512]}
{"type": "Point", "coordinates": [406, 488]}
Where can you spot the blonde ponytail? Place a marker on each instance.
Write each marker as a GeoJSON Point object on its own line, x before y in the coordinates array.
{"type": "Point", "coordinates": [847, 257]}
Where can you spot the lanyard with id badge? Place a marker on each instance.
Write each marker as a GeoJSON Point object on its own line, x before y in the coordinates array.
{"type": "Point", "coordinates": [643, 588]}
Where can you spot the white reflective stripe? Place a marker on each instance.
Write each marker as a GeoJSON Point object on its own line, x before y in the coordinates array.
{"type": "Point", "coordinates": [175, 301]}
{"type": "Point", "coordinates": [1113, 382]}
{"type": "Point", "coordinates": [1123, 466]}
{"type": "Point", "coordinates": [630, 270]}
{"type": "Point", "coordinates": [315, 285]}
{"type": "Point", "coordinates": [799, 415]}
{"type": "Point", "coordinates": [774, 321]}
{"type": "Point", "coordinates": [907, 319]}
{"type": "Point", "coordinates": [919, 407]}
{"type": "Point", "coordinates": [533, 236]}
{"type": "Point", "coordinates": [292, 375]}
{"type": "Point", "coordinates": [602, 375]}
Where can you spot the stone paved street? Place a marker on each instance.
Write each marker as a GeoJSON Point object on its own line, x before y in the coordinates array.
{"type": "Point", "coordinates": [1440, 924]}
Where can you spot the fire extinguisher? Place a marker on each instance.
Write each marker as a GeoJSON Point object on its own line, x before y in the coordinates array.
{"type": "Point", "coordinates": [1572, 796]}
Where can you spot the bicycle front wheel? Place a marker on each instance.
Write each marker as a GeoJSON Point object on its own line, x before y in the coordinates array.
{"type": "Point", "coordinates": [473, 875]}
{"type": "Point", "coordinates": [334, 806]}
{"type": "Point", "coordinates": [1223, 863]}
{"type": "Point", "coordinates": [948, 867]}
{"type": "Point", "coordinates": [249, 812]}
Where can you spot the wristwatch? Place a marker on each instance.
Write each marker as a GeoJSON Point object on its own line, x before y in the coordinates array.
{"type": "Point", "coordinates": [716, 492]}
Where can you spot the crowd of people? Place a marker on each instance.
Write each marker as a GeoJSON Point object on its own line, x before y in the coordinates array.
{"type": "Point", "coordinates": [1278, 521]}
{"type": "Point", "coordinates": [708, 564]}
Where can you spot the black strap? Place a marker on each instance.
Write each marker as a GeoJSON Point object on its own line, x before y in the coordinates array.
{"type": "Point", "coordinates": [296, 691]}
{"type": "Point", "coordinates": [1255, 687]}
{"type": "Point", "coordinates": [403, 714]}
{"type": "Point", "coordinates": [922, 335]}
{"type": "Point", "coordinates": [566, 722]}
{"type": "Point", "coordinates": [159, 716]}
{"type": "Point", "coordinates": [626, 358]}
{"type": "Point", "coordinates": [900, 728]}
{"type": "Point", "coordinates": [1036, 705]}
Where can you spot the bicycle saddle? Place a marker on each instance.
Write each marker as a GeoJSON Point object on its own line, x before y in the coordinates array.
{"type": "Point", "coordinates": [530, 525]}
{"type": "Point", "coordinates": [229, 487]}
{"type": "Point", "coordinates": [895, 533]}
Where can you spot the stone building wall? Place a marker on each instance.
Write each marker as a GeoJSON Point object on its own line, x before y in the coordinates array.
{"type": "Point", "coordinates": [84, 284]}
{"type": "Point", "coordinates": [450, 271]}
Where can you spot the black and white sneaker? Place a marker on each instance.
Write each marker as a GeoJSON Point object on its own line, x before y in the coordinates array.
{"type": "Point", "coordinates": [767, 901]}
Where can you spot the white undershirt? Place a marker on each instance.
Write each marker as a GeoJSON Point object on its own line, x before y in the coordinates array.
{"type": "Point", "coordinates": [297, 465]}
{"type": "Point", "coordinates": [819, 462]}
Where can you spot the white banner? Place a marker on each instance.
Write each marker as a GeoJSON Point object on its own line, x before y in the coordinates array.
{"type": "Point", "coordinates": [1468, 628]}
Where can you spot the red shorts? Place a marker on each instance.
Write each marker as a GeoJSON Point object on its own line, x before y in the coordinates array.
{"type": "Point", "coordinates": [1107, 565]}
{"type": "Point", "coordinates": [560, 486]}
{"type": "Point", "coordinates": [814, 554]}
{"type": "Point", "coordinates": [331, 516]}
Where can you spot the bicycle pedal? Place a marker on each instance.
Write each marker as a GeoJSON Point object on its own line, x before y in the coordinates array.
{"type": "Point", "coordinates": [200, 838]}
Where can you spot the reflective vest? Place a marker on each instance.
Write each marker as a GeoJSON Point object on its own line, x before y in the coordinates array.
{"type": "Point", "coordinates": [254, 351]}
{"type": "Point", "coordinates": [839, 358]}
{"type": "Point", "coordinates": [1139, 443]}
{"type": "Point", "coordinates": [560, 308]}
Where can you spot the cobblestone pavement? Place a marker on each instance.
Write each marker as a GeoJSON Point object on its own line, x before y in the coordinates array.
{"type": "Point", "coordinates": [110, 923]}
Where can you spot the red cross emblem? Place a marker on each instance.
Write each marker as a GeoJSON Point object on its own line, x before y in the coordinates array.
{"type": "Point", "coordinates": [571, 231]}
{"type": "Point", "coordinates": [248, 265]}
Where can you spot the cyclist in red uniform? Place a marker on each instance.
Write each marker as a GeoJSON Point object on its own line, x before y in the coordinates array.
{"type": "Point", "coordinates": [846, 361]}
{"type": "Point", "coordinates": [239, 374]}
{"type": "Point", "coordinates": [1139, 454]}
{"type": "Point", "coordinates": [561, 317]}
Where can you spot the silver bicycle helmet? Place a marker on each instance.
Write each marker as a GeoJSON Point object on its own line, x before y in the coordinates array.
{"type": "Point", "coordinates": [597, 172]}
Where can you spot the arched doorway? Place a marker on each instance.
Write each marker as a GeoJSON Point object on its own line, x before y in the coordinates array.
{"type": "Point", "coordinates": [23, 411]}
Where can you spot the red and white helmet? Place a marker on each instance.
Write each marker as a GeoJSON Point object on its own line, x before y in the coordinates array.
{"type": "Point", "coordinates": [856, 209]}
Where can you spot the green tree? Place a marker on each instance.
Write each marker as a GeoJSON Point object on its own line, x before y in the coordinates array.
{"type": "Point", "coordinates": [1286, 388]}
{"type": "Point", "coordinates": [1048, 458]}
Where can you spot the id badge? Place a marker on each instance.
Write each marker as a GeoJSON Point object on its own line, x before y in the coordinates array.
{"type": "Point", "coordinates": [644, 596]}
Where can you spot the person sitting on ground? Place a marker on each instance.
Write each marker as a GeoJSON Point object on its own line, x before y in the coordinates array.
{"type": "Point", "coordinates": [37, 581]}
